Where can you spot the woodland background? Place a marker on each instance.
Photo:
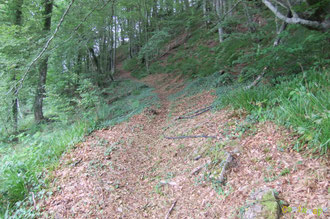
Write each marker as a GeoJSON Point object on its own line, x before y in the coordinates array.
{"type": "Point", "coordinates": [59, 62]}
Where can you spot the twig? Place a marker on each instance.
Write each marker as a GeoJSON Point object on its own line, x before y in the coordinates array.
{"type": "Point", "coordinates": [34, 201]}
{"type": "Point", "coordinates": [196, 113]}
{"type": "Point", "coordinates": [256, 81]}
{"type": "Point", "coordinates": [171, 209]}
{"type": "Point", "coordinates": [193, 136]}
{"type": "Point", "coordinates": [77, 162]}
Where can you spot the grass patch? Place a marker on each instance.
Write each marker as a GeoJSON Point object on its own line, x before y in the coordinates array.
{"type": "Point", "coordinates": [300, 102]}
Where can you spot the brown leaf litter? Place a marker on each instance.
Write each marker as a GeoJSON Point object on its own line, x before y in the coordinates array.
{"type": "Point", "coordinates": [131, 171]}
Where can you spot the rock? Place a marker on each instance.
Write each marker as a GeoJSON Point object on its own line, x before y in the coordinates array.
{"type": "Point", "coordinates": [262, 204]}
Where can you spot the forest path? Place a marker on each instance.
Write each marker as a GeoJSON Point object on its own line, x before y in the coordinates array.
{"type": "Point", "coordinates": [131, 171]}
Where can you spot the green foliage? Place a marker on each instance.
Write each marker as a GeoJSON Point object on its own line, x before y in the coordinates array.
{"type": "Point", "coordinates": [198, 85]}
{"type": "Point", "coordinates": [298, 102]}
{"type": "Point", "coordinates": [23, 169]}
{"type": "Point", "coordinates": [152, 48]}
{"type": "Point", "coordinates": [295, 93]}
{"type": "Point", "coordinates": [130, 64]}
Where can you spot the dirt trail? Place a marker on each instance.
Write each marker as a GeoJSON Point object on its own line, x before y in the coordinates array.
{"type": "Point", "coordinates": [131, 171]}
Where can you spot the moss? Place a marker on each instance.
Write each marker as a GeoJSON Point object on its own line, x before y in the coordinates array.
{"type": "Point", "coordinates": [270, 209]}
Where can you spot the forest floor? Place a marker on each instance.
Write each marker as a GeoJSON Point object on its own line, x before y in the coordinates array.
{"type": "Point", "coordinates": [131, 171]}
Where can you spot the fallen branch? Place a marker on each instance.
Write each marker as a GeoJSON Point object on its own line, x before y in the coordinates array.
{"type": "Point", "coordinates": [193, 136]}
{"type": "Point", "coordinates": [222, 174]}
{"type": "Point", "coordinates": [34, 201]}
{"type": "Point", "coordinates": [199, 168]}
{"type": "Point", "coordinates": [257, 80]}
{"type": "Point", "coordinates": [171, 209]}
{"type": "Point", "coordinates": [196, 113]}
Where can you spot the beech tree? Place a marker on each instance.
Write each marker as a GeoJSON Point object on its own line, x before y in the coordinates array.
{"type": "Point", "coordinates": [310, 13]}
{"type": "Point", "coordinates": [43, 67]}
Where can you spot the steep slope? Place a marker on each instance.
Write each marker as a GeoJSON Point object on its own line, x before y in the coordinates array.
{"type": "Point", "coordinates": [131, 171]}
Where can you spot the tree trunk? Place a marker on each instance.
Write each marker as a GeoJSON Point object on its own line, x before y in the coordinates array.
{"type": "Point", "coordinates": [96, 61]}
{"type": "Point", "coordinates": [219, 10]}
{"type": "Point", "coordinates": [205, 12]}
{"type": "Point", "coordinates": [18, 22]}
{"type": "Point", "coordinates": [40, 94]}
{"type": "Point", "coordinates": [38, 103]}
{"type": "Point", "coordinates": [250, 23]}
{"type": "Point", "coordinates": [186, 4]}
{"type": "Point", "coordinates": [282, 28]}
{"type": "Point", "coordinates": [15, 107]}
{"type": "Point", "coordinates": [113, 66]}
{"type": "Point", "coordinates": [295, 19]}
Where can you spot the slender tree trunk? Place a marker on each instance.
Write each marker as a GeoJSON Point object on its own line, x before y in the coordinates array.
{"type": "Point", "coordinates": [114, 45]}
{"type": "Point", "coordinates": [282, 28]}
{"type": "Point", "coordinates": [186, 5]}
{"type": "Point", "coordinates": [219, 10]}
{"type": "Point", "coordinates": [113, 70]}
{"type": "Point", "coordinates": [18, 22]}
{"type": "Point", "coordinates": [96, 61]}
{"type": "Point", "coordinates": [79, 67]}
{"type": "Point", "coordinates": [130, 35]}
{"type": "Point", "coordinates": [205, 12]}
{"type": "Point", "coordinates": [155, 15]}
{"type": "Point", "coordinates": [43, 68]}
{"type": "Point", "coordinates": [250, 23]}
{"type": "Point", "coordinates": [87, 63]}
{"type": "Point", "coordinates": [15, 107]}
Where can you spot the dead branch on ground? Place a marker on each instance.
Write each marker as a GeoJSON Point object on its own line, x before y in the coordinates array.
{"type": "Point", "coordinates": [196, 113]}
{"type": "Point", "coordinates": [192, 136]}
{"type": "Point", "coordinates": [171, 209]}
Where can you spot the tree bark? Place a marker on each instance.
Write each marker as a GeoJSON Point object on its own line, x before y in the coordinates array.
{"type": "Point", "coordinates": [114, 45]}
{"type": "Point", "coordinates": [219, 10]}
{"type": "Point", "coordinates": [186, 4]}
{"type": "Point", "coordinates": [96, 61]}
{"type": "Point", "coordinates": [43, 68]}
{"type": "Point", "coordinates": [282, 28]}
{"type": "Point", "coordinates": [250, 23]}
{"type": "Point", "coordinates": [40, 95]}
{"type": "Point", "coordinates": [18, 22]}
{"type": "Point", "coordinates": [325, 25]}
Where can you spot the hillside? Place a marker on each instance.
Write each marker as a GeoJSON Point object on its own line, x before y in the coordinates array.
{"type": "Point", "coordinates": [132, 170]}
{"type": "Point", "coordinates": [164, 109]}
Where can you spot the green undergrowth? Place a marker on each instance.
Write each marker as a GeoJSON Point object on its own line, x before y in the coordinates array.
{"type": "Point", "coordinates": [25, 167]}
{"type": "Point", "coordinates": [300, 102]}
{"type": "Point", "coordinates": [195, 86]}
{"type": "Point", "coordinates": [294, 91]}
